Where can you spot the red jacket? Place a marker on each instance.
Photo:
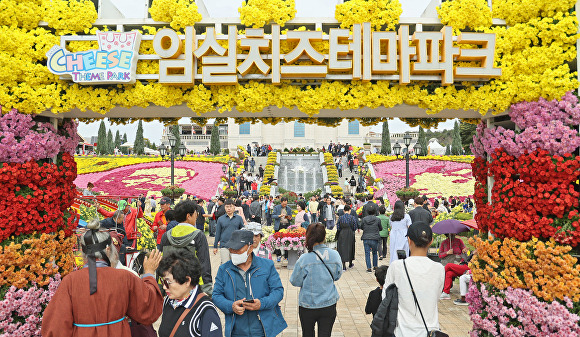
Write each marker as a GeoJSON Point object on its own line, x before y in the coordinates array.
{"type": "Point", "coordinates": [130, 218]}
{"type": "Point", "coordinates": [159, 216]}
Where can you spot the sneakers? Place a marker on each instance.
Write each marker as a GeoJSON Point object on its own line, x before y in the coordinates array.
{"type": "Point", "coordinates": [460, 302]}
{"type": "Point", "coordinates": [351, 265]}
{"type": "Point", "coordinates": [445, 296]}
{"type": "Point", "coordinates": [279, 258]}
{"type": "Point", "coordinates": [380, 258]}
{"type": "Point", "coordinates": [369, 270]}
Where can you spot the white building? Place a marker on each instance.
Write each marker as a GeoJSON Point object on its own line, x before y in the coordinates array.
{"type": "Point", "coordinates": [197, 138]}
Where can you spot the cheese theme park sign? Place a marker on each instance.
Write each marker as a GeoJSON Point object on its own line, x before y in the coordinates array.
{"type": "Point", "coordinates": [362, 54]}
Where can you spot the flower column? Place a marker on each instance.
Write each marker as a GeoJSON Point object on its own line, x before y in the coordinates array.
{"type": "Point", "coordinates": [527, 281]}
{"type": "Point", "coordinates": [36, 226]}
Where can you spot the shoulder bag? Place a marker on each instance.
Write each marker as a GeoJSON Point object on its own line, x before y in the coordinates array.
{"type": "Point", "coordinates": [182, 317]}
{"type": "Point", "coordinates": [321, 260]}
{"type": "Point", "coordinates": [432, 333]}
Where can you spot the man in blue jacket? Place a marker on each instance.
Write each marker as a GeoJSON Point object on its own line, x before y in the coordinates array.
{"type": "Point", "coordinates": [282, 214]}
{"type": "Point", "coordinates": [248, 291]}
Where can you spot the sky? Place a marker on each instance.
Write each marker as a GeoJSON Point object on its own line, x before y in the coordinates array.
{"type": "Point", "coordinates": [223, 8]}
{"type": "Point", "coordinates": [154, 130]}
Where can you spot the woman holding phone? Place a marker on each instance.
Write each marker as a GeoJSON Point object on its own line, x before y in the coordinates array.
{"type": "Point", "coordinates": [315, 274]}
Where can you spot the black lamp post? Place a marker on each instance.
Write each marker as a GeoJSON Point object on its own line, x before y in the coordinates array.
{"type": "Point", "coordinates": [407, 140]}
{"type": "Point", "coordinates": [417, 149]}
{"type": "Point", "coordinates": [397, 149]}
{"type": "Point", "coordinates": [163, 150]}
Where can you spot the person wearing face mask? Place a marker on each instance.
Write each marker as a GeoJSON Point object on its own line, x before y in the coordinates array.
{"type": "Point", "coordinates": [248, 291]}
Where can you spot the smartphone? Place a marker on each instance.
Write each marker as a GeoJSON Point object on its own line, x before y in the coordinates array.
{"type": "Point", "coordinates": [248, 301]}
{"type": "Point", "coordinates": [401, 254]}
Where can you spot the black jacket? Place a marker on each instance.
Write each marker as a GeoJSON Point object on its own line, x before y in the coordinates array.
{"type": "Point", "coordinates": [368, 206]}
{"type": "Point", "coordinates": [385, 320]}
{"type": "Point", "coordinates": [420, 214]}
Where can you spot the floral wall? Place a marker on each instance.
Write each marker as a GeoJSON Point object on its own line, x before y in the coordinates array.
{"type": "Point", "coordinates": [37, 170]}
{"type": "Point", "coordinates": [526, 281]}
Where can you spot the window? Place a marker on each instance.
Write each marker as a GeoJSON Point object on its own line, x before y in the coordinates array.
{"type": "Point", "coordinates": [353, 127]}
{"type": "Point", "coordinates": [245, 128]}
{"type": "Point", "coordinates": [298, 129]}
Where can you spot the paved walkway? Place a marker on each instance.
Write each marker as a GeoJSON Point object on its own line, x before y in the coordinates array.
{"type": "Point", "coordinates": [354, 287]}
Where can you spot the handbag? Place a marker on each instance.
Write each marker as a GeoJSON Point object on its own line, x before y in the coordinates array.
{"type": "Point", "coordinates": [432, 333]}
{"type": "Point", "coordinates": [182, 317]}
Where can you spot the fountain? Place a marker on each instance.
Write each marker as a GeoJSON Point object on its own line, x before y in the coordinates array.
{"type": "Point", "coordinates": [300, 173]}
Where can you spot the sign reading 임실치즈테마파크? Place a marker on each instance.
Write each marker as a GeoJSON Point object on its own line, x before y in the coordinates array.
{"type": "Point", "coordinates": [362, 54]}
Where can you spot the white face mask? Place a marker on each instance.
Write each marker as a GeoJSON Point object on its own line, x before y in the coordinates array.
{"type": "Point", "coordinates": [238, 259]}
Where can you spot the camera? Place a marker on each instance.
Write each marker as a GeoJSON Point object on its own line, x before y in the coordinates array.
{"type": "Point", "coordinates": [401, 254]}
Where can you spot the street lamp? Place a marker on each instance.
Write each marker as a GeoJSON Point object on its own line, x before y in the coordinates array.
{"type": "Point", "coordinates": [417, 149]}
{"type": "Point", "coordinates": [182, 150]}
{"type": "Point", "coordinates": [407, 139]}
{"type": "Point", "coordinates": [397, 149]}
{"type": "Point", "coordinates": [163, 150]}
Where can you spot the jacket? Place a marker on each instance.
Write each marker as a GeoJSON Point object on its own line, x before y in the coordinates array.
{"type": "Point", "coordinates": [368, 206]}
{"type": "Point", "coordinates": [276, 213]}
{"type": "Point", "coordinates": [130, 218]}
{"type": "Point", "coordinates": [385, 320]}
{"type": "Point", "coordinates": [371, 226]}
{"type": "Point", "coordinates": [265, 285]}
{"type": "Point", "coordinates": [186, 236]}
{"type": "Point", "coordinates": [323, 212]}
{"type": "Point", "coordinates": [420, 214]}
{"type": "Point", "coordinates": [385, 223]}
{"type": "Point", "coordinates": [255, 210]}
{"type": "Point", "coordinates": [317, 289]}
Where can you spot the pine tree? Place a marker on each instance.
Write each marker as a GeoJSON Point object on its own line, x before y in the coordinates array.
{"type": "Point", "coordinates": [456, 144]}
{"type": "Point", "coordinates": [215, 146]}
{"type": "Point", "coordinates": [110, 144]}
{"type": "Point", "coordinates": [448, 150]}
{"type": "Point", "coordinates": [139, 146]}
{"type": "Point", "coordinates": [118, 140]}
{"type": "Point", "coordinates": [175, 132]}
{"type": "Point", "coordinates": [386, 139]}
{"type": "Point", "coordinates": [467, 131]}
{"type": "Point", "coordinates": [102, 139]}
{"type": "Point", "coordinates": [422, 141]}
{"type": "Point", "coordinates": [124, 138]}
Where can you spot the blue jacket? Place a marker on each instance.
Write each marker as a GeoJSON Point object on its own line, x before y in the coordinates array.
{"type": "Point", "coordinates": [265, 285]}
{"type": "Point", "coordinates": [317, 289]}
{"type": "Point", "coordinates": [276, 213]}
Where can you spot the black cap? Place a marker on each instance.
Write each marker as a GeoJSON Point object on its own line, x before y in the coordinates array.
{"type": "Point", "coordinates": [420, 233]}
{"type": "Point", "coordinates": [239, 239]}
{"type": "Point", "coordinates": [164, 200]}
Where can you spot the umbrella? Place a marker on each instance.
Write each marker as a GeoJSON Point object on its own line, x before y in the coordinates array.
{"type": "Point", "coordinates": [470, 223]}
{"type": "Point", "coordinates": [449, 226]}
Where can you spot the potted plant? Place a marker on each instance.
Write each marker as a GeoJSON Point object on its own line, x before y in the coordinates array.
{"type": "Point", "coordinates": [173, 191]}
{"type": "Point", "coordinates": [367, 146]}
{"type": "Point", "coordinates": [407, 193]}
{"type": "Point", "coordinates": [229, 193]}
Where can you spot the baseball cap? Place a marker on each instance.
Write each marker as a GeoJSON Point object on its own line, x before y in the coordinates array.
{"type": "Point", "coordinates": [254, 227]}
{"type": "Point", "coordinates": [121, 204]}
{"type": "Point", "coordinates": [240, 238]}
{"type": "Point", "coordinates": [420, 233]}
{"type": "Point", "coordinates": [164, 200]}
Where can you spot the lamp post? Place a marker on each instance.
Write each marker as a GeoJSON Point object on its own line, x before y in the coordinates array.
{"type": "Point", "coordinates": [407, 139]}
{"type": "Point", "coordinates": [397, 149]}
{"type": "Point", "coordinates": [163, 150]}
{"type": "Point", "coordinates": [417, 149]}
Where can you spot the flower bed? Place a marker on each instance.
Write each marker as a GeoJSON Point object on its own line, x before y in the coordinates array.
{"type": "Point", "coordinates": [285, 239]}
{"type": "Point", "coordinates": [433, 178]}
{"type": "Point", "coordinates": [152, 177]}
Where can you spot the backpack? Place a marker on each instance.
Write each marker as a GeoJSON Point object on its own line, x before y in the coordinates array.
{"type": "Point", "coordinates": [306, 221]}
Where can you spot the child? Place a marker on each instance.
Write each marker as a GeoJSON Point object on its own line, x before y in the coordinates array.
{"type": "Point", "coordinates": [375, 296]}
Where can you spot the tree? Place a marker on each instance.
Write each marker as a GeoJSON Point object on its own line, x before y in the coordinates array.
{"type": "Point", "coordinates": [118, 140]}
{"type": "Point", "coordinates": [102, 139]}
{"type": "Point", "coordinates": [456, 144]}
{"type": "Point", "coordinates": [448, 150]}
{"type": "Point", "coordinates": [124, 137]}
{"type": "Point", "coordinates": [139, 146]}
{"type": "Point", "coordinates": [386, 139]}
{"type": "Point", "coordinates": [467, 131]}
{"type": "Point", "coordinates": [215, 146]}
{"type": "Point", "coordinates": [175, 132]}
{"type": "Point", "coordinates": [153, 146]}
{"type": "Point", "coordinates": [422, 141]}
{"type": "Point", "coordinates": [110, 144]}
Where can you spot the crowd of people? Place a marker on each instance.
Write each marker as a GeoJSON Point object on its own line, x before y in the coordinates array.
{"type": "Point", "coordinates": [247, 287]}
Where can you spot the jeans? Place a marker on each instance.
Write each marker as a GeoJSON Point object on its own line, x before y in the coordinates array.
{"type": "Point", "coordinates": [324, 316]}
{"type": "Point", "coordinates": [212, 224]}
{"type": "Point", "coordinates": [371, 246]}
{"type": "Point", "coordinates": [383, 247]}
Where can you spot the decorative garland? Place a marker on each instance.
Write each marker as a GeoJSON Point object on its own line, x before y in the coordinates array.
{"type": "Point", "coordinates": [378, 13]}
{"type": "Point", "coordinates": [376, 158]}
{"type": "Point", "coordinates": [179, 13]}
{"type": "Point", "coordinates": [257, 13]}
{"type": "Point", "coordinates": [332, 175]}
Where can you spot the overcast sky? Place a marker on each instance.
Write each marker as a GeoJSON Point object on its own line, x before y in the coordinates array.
{"type": "Point", "coordinates": [223, 8]}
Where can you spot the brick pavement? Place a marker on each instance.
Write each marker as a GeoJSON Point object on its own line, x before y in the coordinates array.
{"type": "Point", "coordinates": [354, 287]}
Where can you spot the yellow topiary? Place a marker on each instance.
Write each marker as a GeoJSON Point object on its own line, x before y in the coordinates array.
{"type": "Point", "coordinates": [179, 13]}
{"type": "Point", "coordinates": [378, 13]}
{"type": "Point", "coordinates": [257, 13]}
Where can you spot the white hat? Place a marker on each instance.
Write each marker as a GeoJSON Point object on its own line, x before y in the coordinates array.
{"type": "Point", "coordinates": [254, 227]}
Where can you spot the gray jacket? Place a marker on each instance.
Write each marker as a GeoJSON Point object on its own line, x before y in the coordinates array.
{"type": "Point", "coordinates": [371, 226]}
{"type": "Point", "coordinates": [385, 319]}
